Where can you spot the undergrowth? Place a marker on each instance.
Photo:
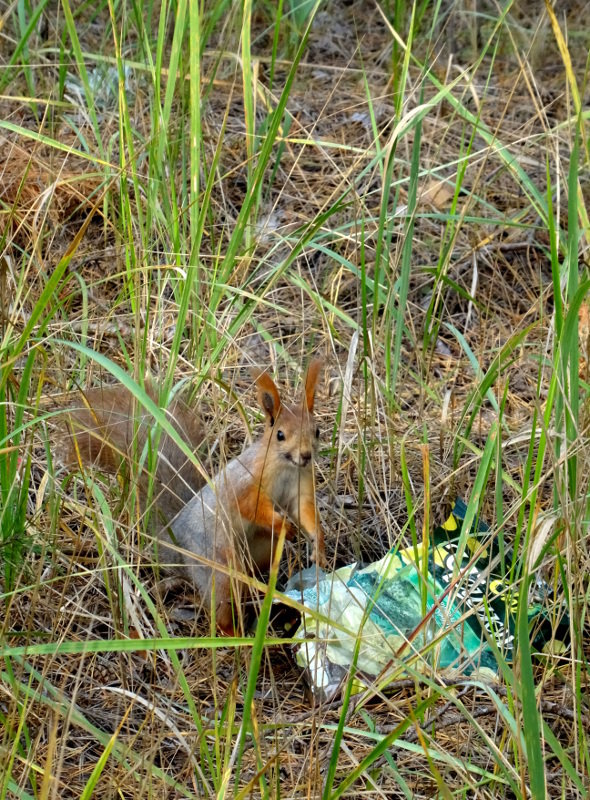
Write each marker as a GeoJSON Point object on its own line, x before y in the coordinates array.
{"type": "Point", "coordinates": [190, 189]}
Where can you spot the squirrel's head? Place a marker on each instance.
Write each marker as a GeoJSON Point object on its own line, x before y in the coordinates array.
{"type": "Point", "coordinates": [291, 430]}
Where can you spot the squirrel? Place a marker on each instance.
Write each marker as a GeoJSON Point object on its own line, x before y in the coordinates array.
{"type": "Point", "coordinates": [235, 520]}
{"type": "Point", "coordinates": [111, 425]}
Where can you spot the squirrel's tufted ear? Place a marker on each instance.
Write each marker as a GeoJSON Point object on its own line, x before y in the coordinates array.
{"type": "Point", "coordinates": [268, 395]}
{"type": "Point", "coordinates": [311, 380]}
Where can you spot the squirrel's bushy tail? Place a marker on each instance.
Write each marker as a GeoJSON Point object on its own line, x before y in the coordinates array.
{"type": "Point", "coordinates": [109, 427]}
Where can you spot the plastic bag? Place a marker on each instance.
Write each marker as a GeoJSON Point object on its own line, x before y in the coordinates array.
{"type": "Point", "coordinates": [450, 613]}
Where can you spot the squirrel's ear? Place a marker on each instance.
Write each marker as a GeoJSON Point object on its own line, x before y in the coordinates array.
{"type": "Point", "coordinates": [268, 395]}
{"type": "Point", "coordinates": [311, 380]}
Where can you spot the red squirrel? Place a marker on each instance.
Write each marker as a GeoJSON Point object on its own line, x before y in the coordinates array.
{"type": "Point", "coordinates": [234, 521]}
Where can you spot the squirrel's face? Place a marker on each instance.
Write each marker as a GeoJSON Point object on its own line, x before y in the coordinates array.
{"type": "Point", "coordinates": [293, 436]}
{"type": "Point", "coordinates": [291, 430]}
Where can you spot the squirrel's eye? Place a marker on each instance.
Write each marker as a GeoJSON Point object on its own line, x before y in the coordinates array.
{"type": "Point", "coordinates": [280, 436]}
{"type": "Point", "coordinates": [317, 433]}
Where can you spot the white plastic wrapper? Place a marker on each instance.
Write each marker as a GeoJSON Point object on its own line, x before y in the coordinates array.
{"type": "Point", "coordinates": [398, 614]}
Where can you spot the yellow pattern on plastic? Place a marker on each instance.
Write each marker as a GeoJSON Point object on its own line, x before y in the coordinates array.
{"type": "Point", "coordinates": [450, 524]}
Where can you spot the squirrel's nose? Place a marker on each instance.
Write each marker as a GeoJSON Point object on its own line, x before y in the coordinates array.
{"type": "Point", "coordinates": [304, 458]}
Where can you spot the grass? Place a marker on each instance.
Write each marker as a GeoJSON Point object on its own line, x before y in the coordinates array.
{"type": "Point", "coordinates": [188, 189]}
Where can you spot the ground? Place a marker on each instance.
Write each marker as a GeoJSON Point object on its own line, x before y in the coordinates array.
{"type": "Point", "coordinates": [415, 213]}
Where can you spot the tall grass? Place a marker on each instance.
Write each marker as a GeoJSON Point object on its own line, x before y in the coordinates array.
{"type": "Point", "coordinates": [193, 161]}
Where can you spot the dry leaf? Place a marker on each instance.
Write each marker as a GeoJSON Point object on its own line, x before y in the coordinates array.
{"type": "Point", "coordinates": [438, 194]}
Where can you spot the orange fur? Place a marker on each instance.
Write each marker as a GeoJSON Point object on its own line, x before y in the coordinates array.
{"type": "Point", "coordinates": [232, 526]}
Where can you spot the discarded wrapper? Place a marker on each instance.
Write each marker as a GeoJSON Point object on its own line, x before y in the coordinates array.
{"type": "Point", "coordinates": [398, 614]}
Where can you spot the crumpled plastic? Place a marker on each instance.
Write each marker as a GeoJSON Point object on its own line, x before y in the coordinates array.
{"type": "Point", "coordinates": [424, 608]}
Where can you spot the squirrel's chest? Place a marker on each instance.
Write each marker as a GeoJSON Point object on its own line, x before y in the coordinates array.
{"type": "Point", "coordinates": [281, 488]}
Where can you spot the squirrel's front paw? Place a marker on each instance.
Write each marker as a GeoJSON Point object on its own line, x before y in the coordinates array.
{"type": "Point", "coordinates": [290, 530]}
{"type": "Point", "coordinates": [318, 556]}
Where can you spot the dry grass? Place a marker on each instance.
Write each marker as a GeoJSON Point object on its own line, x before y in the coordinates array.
{"type": "Point", "coordinates": [480, 262]}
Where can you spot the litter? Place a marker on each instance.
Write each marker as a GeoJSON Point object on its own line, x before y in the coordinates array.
{"type": "Point", "coordinates": [451, 614]}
